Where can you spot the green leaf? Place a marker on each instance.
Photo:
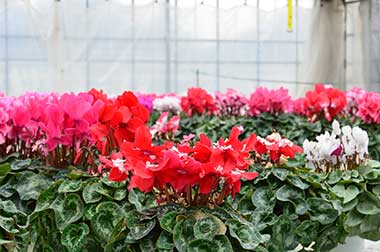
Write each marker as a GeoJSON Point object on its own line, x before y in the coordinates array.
{"type": "Point", "coordinates": [201, 245]}
{"type": "Point", "coordinates": [8, 224]}
{"type": "Point", "coordinates": [322, 211]}
{"type": "Point", "coordinates": [71, 211]}
{"type": "Point", "coordinates": [335, 177]}
{"type": "Point", "coordinates": [222, 243]}
{"type": "Point", "coordinates": [4, 169]}
{"type": "Point", "coordinates": [350, 205]}
{"type": "Point", "coordinates": [70, 186]}
{"type": "Point", "coordinates": [347, 193]}
{"type": "Point", "coordinates": [283, 235]}
{"type": "Point", "coordinates": [91, 193]}
{"type": "Point", "coordinates": [353, 218]}
{"type": "Point", "coordinates": [183, 234]}
{"type": "Point", "coordinates": [18, 165]}
{"type": "Point", "coordinates": [9, 188]}
{"type": "Point", "coordinates": [289, 193]}
{"type": "Point", "coordinates": [108, 216]}
{"type": "Point", "coordinates": [165, 241]}
{"type": "Point", "coordinates": [307, 231]}
{"type": "Point", "coordinates": [113, 184]}
{"type": "Point", "coordinates": [281, 174]}
{"type": "Point", "coordinates": [368, 204]}
{"type": "Point", "coordinates": [30, 185]}
{"type": "Point", "coordinates": [8, 207]}
{"type": "Point", "coordinates": [370, 223]}
{"type": "Point", "coordinates": [47, 197]}
{"type": "Point", "coordinates": [74, 236]}
{"type": "Point", "coordinates": [219, 244]}
{"type": "Point", "coordinates": [142, 201]}
{"type": "Point", "coordinates": [247, 235]}
{"type": "Point", "coordinates": [138, 228]}
{"type": "Point", "coordinates": [263, 198]}
{"type": "Point", "coordinates": [208, 227]}
{"type": "Point", "coordinates": [168, 221]}
{"type": "Point", "coordinates": [120, 194]}
{"type": "Point", "coordinates": [373, 164]}
{"type": "Point", "coordinates": [147, 245]}
{"type": "Point", "coordinates": [89, 211]}
{"type": "Point", "coordinates": [297, 182]}
{"type": "Point", "coordinates": [372, 175]}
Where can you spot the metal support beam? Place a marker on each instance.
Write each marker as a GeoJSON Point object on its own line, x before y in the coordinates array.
{"type": "Point", "coordinates": [175, 46]}
{"type": "Point", "coordinates": [133, 46]}
{"type": "Point", "coordinates": [217, 46]}
{"type": "Point", "coordinates": [87, 47]}
{"type": "Point", "coordinates": [167, 45]}
{"type": "Point", "coordinates": [6, 51]}
{"type": "Point", "coordinates": [258, 42]}
{"type": "Point", "coordinates": [297, 37]}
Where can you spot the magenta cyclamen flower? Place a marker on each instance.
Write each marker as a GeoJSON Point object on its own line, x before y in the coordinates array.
{"type": "Point", "coordinates": [369, 107]}
{"type": "Point", "coordinates": [271, 101]}
{"type": "Point", "coordinates": [146, 100]}
{"type": "Point", "coordinates": [354, 97]}
{"type": "Point", "coordinates": [231, 102]}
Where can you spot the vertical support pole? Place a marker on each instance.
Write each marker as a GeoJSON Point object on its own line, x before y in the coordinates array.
{"type": "Point", "coordinates": [217, 45]}
{"type": "Point", "coordinates": [297, 43]}
{"type": "Point", "coordinates": [258, 43]}
{"type": "Point", "coordinates": [87, 45]}
{"type": "Point", "coordinates": [133, 47]}
{"type": "Point", "coordinates": [6, 52]}
{"type": "Point", "coordinates": [343, 81]}
{"type": "Point", "coordinates": [167, 45]}
{"type": "Point", "coordinates": [176, 46]}
{"type": "Point", "coordinates": [197, 77]}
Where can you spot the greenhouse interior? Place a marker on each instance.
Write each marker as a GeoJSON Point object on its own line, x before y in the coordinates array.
{"type": "Point", "coordinates": [190, 125]}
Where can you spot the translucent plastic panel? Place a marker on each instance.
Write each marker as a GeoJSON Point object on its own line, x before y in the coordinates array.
{"type": "Point", "coordinates": [278, 52]}
{"type": "Point", "coordinates": [2, 77]}
{"type": "Point", "coordinates": [196, 51]}
{"type": "Point", "coordinates": [2, 49]}
{"type": "Point", "coordinates": [198, 21]}
{"type": "Point", "coordinates": [2, 17]}
{"type": "Point", "coordinates": [274, 25]}
{"type": "Point", "coordinates": [150, 20]}
{"type": "Point", "coordinates": [110, 50]}
{"type": "Point", "coordinates": [22, 49]}
{"type": "Point", "coordinates": [187, 76]}
{"type": "Point", "coordinates": [27, 76]}
{"type": "Point", "coordinates": [150, 77]}
{"type": "Point", "coordinates": [112, 79]}
{"type": "Point", "coordinates": [239, 23]}
{"type": "Point", "coordinates": [238, 51]}
{"type": "Point", "coordinates": [75, 77]}
{"type": "Point", "coordinates": [303, 25]}
{"type": "Point", "coordinates": [278, 72]}
{"type": "Point", "coordinates": [150, 50]}
{"type": "Point", "coordinates": [18, 21]}
{"type": "Point", "coordinates": [241, 77]}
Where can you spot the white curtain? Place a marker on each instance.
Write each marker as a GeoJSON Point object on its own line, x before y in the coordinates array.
{"type": "Point", "coordinates": [324, 61]}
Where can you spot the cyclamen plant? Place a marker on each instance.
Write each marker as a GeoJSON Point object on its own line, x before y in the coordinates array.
{"type": "Point", "coordinates": [271, 101]}
{"type": "Point", "coordinates": [231, 102]}
{"type": "Point", "coordinates": [168, 104]}
{"type": "Point", "coordinates": [344, 149]}
{"type": "Point", "coordinates": [202, 174]}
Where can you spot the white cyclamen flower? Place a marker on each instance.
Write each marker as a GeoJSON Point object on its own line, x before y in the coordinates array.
{"type": "Point", "coordinates": [168, 103]}
{"type": "Point", "coordinates": [361, 140]}
{"type": "Point", "coordinates": [336, 128]}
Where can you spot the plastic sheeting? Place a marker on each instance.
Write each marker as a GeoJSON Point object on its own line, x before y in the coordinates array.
{"type": "Point", "coordinates": [170, 45]}
{"type": "Point", "coordinates": [150, 46]}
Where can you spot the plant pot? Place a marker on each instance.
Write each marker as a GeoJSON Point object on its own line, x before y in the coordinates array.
{"type": "Point", "coordinates": [353, 244]}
